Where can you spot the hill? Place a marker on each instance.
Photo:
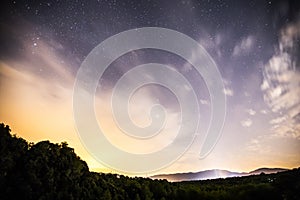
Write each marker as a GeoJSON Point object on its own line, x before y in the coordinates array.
{"type": "Point", "coordinates": [267, 170]}
{"type": "Point", "coordinates": [213, 174]}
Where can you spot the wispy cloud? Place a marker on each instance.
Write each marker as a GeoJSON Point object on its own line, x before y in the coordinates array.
{"type": "Point", "coordinates": [214, 43]}
{"type": "Point", "coordinates": [228, 91]}
{"type": "Point", "coordinates": [263, 112]}
{"type": "Point", "coordinates": [246, 123]}
{"type": "Point", "coordinates": [258, 145]}
{"type": "Point", "coordinates": [281, 82]}
{"type": "Point", "coordinates": [244, 46]}
{"type": "Point", "coordinates": [278, 120]}
{"type": "Point", "coordinates": [251, 111]}
{"type": "Point", "coordinates": [204, 102]}
{"type": "Point", "coordinates": [41, 68]}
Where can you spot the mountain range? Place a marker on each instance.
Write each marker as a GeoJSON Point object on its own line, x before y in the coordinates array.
{"type": "Point", "coordinates": [213, 174]}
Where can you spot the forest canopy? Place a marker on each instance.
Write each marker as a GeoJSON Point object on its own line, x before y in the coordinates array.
{"type": "Point", "coordinates": [53, 171]}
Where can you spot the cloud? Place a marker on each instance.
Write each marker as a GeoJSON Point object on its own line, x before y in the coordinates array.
{"type": "Point", "coordinates": [278, 120]}
{"type": "Point", "coordinates": [289, 128]}
{"type": "Point", "coordinates": [253, 145]}
{"type": "Point", "coordinates": [281, 82]}
{"type": "Point", "coordinates": [258, 145]}
{"type": "Point", "coordinates": [265, 85]}
{"type": "Point", "coordinates": [244, 46]}
{"type": "Point", "coordinates": [246, 94]}
{"type": "Point", "coordinates": [43, 58]}
{"type": "Point", "coordinates": [251, 111]}
{"type": "Point", "coordinates": [204, 102]}
{"type": "Point", "coordinates": [227, 88]}
{"type": "Point", "coordinates": [210, 44]}
{"type": "Point", "coordinates": [263, 112]}
{"type": "Point", "coordinates": [228, 91]}
{"type": "Point", "coordinates": [41, 68]}
{"type": "Point", "coordinates": [214, 43]}
{"type": "Point", "coordinates": [246, 123]}
{"type": "Point", "coordinates": [289, 34]}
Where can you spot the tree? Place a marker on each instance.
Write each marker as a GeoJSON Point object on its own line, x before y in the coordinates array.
{"type": "Point", "coordinates": [12, 149]}
{"type": "Point", "coordinates": [53, 171]}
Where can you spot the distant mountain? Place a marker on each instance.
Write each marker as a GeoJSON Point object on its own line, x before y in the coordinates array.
{"type": "Point", "coordinates": [213, 174]}
{"type": "Point", "coordinates": [267, 171]}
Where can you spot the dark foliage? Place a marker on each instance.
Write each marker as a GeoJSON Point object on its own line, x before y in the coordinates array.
{"type": "Point", "coordinates": [53, 171]}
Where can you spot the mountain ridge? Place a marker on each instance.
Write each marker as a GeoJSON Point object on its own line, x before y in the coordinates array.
{"type": "Point", "coordinates": [214, 174]}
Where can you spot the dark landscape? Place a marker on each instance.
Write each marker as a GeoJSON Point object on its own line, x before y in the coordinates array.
{"type": "Point", "coordinates": [53, 171]}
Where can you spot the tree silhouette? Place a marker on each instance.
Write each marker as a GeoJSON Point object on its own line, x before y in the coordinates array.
{"type": "Point", "coordinates": [53, 171]}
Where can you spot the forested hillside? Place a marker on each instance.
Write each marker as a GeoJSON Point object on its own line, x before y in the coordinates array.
{"type": "Point", "coordinates": [53, 171]}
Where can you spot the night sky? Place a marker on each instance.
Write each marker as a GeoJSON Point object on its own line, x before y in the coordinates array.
{"type": "Point", "coordinates": [255, 45]}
